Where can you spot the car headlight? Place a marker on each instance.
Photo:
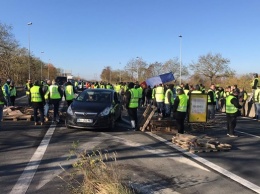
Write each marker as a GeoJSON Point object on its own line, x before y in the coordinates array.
{"type": "Point", "coordinates": [105, 112]}
{"type": "Point", "coordinates": [69, 111]}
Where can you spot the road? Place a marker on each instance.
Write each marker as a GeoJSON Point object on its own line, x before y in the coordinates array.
{"type": "Point", "coordinates": [32, 156]}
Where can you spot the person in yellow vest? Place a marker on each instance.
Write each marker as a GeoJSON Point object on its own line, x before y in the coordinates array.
{"type": "Point", "coordinates": [232, 112]}
{"type": "Point", "coordinates": [6, 92]}
{"type": "Point", "coordinates": [257, 103]}
{"type": "Point", "coordinates": [2, 103]}
{"type": "Point", "coordinates": [159, 97]}
{"type": "Point", "coordinates": [76, 84]}
{"type": "Point", "coordinates": [13, 93]}
{"type": "Point", "coordinates": [55, 98]}
{"type": "Point", "coordinates": [153, 96]}
{"type": "Point", "coordinates": [140, 94]}
{"type": "Point", "coordinates": [46, 93]}
{"type": "Point", "coordinates": [254, 83]}
{"type": "Point", "coordinates": [196, 90]}
{"type": "Point", "coordinates": [242, 100]}
{"type": "Point", "coordinates": [27, 88]}
{"type": "Point", "coordinates": [169, 100]}
{"type": "Point", "coordinates": [180, 109]}
{"type": "Point", "coordinates": [37, 101]}
{"type": "Point", "coordinates": [69, 92]}
{"type": "Point", "coordinates": [131, 100]}
{"type": "Point", "coordinates": [211, 102]}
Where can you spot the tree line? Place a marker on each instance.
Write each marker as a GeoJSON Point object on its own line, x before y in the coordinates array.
{"type": "Point", "coordinates": [16, 62]}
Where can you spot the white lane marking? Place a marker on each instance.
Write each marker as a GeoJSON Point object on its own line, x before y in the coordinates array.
{"type": "Point", "coordinates": [26, 177]}
{"type": "Point", "coordinates": [97, 141]}
{"type": "Point", "coordinates": [213, 166]}
{"type": "Point", "coordinates": [159, 152]}
{"type": "Point", "coordinates": [247, 134]}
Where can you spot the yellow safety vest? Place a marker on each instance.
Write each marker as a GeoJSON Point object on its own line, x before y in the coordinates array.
{"type": "Point", "coordinates": [182, 107]}
{"type": "Point", "coordinates": [134, 98]}
{"type": "Point", "coordinates": [159, 94]}
{"type": "Point", "coordinates": [69, 92]}
{"type": "Point", "coordinates": [166, 101]}
{"type": "Point", "coordinates": [54, 92]}
{"type": "Point", "coordinates": [35, 94]}
{"type": "Point", "coordinates": [8, 88]}
{"type": "Point", "coordinates": [230, 108]}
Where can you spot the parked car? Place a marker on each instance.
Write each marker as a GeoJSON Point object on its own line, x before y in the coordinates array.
{"type": "Point", "coordinates": [94, 108]}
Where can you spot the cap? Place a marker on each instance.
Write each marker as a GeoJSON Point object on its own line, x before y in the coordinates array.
{"type": "Point", "coordinates": [8, 80]}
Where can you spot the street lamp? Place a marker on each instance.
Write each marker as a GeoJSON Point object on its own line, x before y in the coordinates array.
{"type": "Point", "coordinates": [138, 58]}
{"type": "Point", "coordinates": [180, 36]}
{"type": "Point", "coordinates": [41, 67]}
{"type": "Point", "coordinates": [120, 72]}
{"type": "Point", "coordinates": [29, 63]}
{"type": "Point", "coordinates": [49, 70]}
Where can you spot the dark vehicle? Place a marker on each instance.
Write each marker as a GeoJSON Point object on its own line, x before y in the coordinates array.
{"type": "Point", "coordinates": [61, 80]}
{"type": "Point", "coordinates": [94, 109]}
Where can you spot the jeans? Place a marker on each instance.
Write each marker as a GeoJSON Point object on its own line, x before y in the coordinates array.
{"type": "Point", "coordinates": [7, 100]}
{"type": "Point", "coordinates": [231, 124]}
{"type": "Point", "coordinates": [211, 111]}
{"type": "Point", "coordinates": [257, 110]}
{"type": "Point", "coordinates": [1, 114]}
{"type": "Point", "coordinates": [168, 109]}
{"type": "Point", "coordinates": [160, 107]}
{"type": "Point", "coordinates": [46, 109]}
{"type": "Point", "coordinates": [35, 112]}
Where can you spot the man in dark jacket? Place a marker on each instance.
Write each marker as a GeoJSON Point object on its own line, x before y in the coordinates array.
{"type": "Point", "coordinates": [131, 101]}
{"type": "Point", "coordinates": [180, 108]}
{"type": "Point", "coordinates": [37, 101]}
{"type": "Point", "coordinates": [232, 112]}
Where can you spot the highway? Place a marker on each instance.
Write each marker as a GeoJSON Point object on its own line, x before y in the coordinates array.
{"type": "Point", "coordinates": [32, 157]}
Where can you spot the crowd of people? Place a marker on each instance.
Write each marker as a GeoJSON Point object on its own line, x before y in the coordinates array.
{"type": "Point", "coordinates": [170, 100]}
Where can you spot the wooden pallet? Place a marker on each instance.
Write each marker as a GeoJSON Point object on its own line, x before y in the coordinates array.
{"type": "Point", "coordinates": [199, 144]}
{"type": "Point", "coordinates": [18, 117]}
{"type": "Point", "coordinates": [167, 130]}
{"type": "Point", "coordinates": [147, 118]}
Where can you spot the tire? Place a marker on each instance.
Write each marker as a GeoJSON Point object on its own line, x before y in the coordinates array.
{"type": "Point", "coordinates": [66, 124]}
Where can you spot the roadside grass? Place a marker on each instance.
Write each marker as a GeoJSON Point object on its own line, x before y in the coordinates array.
{"type": "Point", "coordinates": [95, 173]}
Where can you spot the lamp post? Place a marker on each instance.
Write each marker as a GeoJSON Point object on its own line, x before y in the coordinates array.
{"type": "Point", "coordinates": [120, 72]}
{"type": "Point", "coordinates": [49, 70]}
{"type": "Point", "coordinates": [29, 63]}
{"type": "Point", "coordinates": [138, 58]}
{"type": "Point", "coordinates": [41, 67]}
{"type": "Point", "coordinates": [180, 36]}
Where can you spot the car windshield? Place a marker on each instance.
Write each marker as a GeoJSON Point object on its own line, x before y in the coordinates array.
{"type": "Point", "coordinates": [95, 96]}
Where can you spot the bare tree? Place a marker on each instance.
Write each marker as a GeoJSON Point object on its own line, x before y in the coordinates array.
{"type": "Point", "coordinates": [173, 66]}
{"type": "Point", "coordinates": [212, 67]}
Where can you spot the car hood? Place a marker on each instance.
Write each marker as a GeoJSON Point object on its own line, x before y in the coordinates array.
{"type": "Point", "coordinates": [88, 106]}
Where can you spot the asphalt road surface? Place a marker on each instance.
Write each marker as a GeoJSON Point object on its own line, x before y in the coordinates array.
{"type": "Point", "coordinates": [31, 158]}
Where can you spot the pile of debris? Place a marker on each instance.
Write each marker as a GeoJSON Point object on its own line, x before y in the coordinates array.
{"type": "Point", "coordinates": [16, 113]}
{"type": "Point", "coordinates": [202, 143]}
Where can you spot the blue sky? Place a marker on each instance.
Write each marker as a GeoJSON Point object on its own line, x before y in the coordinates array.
{"type": "Point", "coordinates": [84, 36]}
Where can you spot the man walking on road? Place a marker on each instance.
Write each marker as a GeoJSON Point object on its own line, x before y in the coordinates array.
{"type": "Point", "coordinates": [2, 103]}
{"type": "Point", "coordinates": [46, 89]}
{"type": "Point", "coordinates": [132, 98]}
{"type": "Point", "coordinates": [232, 111]}
{"type": "Point", "coordinates": [69, 92]}
{"type": "Point", "coordinates": [37, 101]}
{"type": "Point", "coordinates": [55, 98]}
{"type": "Point", "coordinates": [180, 109]}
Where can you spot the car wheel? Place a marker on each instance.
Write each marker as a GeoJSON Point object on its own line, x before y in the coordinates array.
{"type": "Point", "coordinates": [66, 124]}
